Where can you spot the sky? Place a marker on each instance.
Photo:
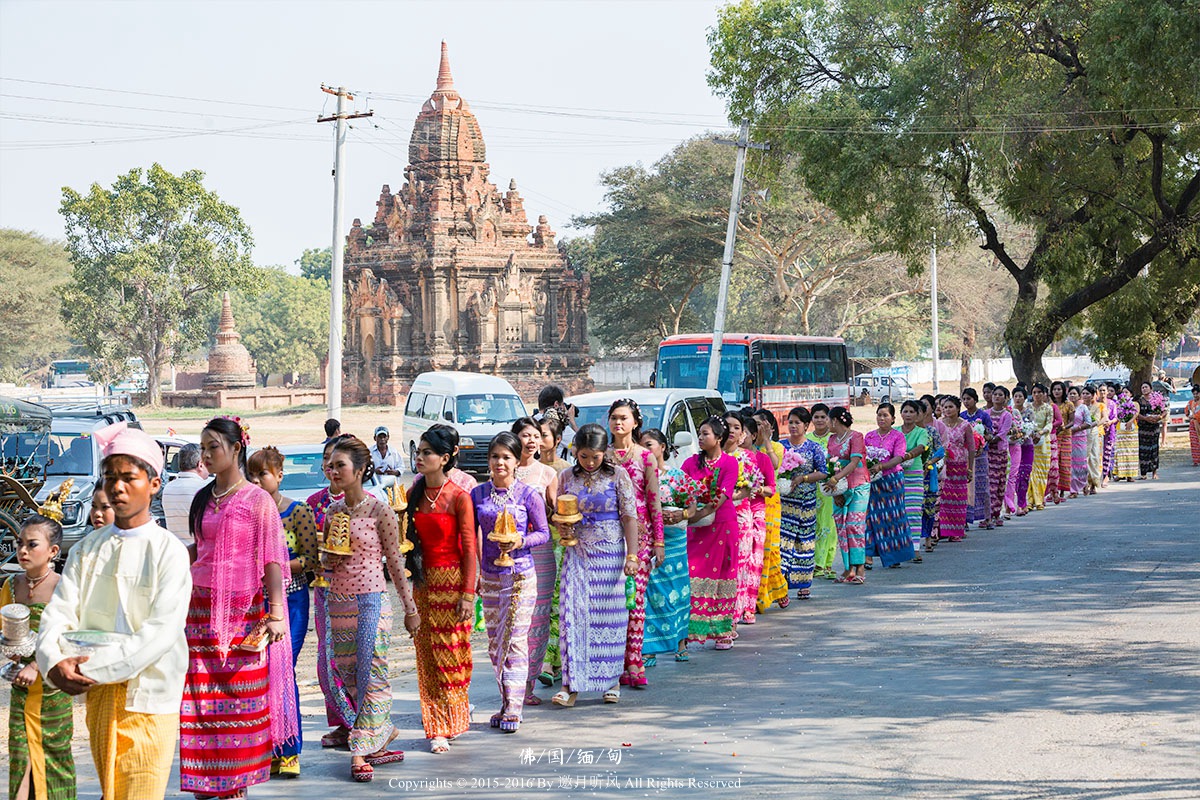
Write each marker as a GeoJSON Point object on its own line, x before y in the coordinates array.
{"type": "Point", "coordinates": [563, 91]}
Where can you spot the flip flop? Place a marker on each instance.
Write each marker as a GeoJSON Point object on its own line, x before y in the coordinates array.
{"type": "Point", "coordinates": [362, 773]}
{"type": "Point", "coordinates": [857, 580]}
{"type": "Point", "coordinates": [386, 757]}
{"type": "Point", "coordinates": [335, 739]}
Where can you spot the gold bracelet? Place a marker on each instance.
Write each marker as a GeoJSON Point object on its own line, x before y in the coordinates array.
{"type": "Point", "coordinates": [274, 619]}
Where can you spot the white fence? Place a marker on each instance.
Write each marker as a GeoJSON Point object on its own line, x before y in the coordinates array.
{"type": "Point", "coordinates": [997, 370]}
{"type": "Point", "coordinates": [621, 374]}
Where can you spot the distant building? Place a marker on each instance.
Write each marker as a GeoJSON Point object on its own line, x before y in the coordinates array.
{"type": "Point", "coordinates": [447, 276]}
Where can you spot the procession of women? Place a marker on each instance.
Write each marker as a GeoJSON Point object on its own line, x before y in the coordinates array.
{"type": "Point", "coordinates": [583, 574]}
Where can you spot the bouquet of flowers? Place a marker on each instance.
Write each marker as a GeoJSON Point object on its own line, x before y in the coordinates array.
{"type": "Point", "coordinates": [749, 475]}
{"type": "Point", "coordinates": [679, 491]}
{"type": "Point", "coordinates": [1126, 408]}
{"type": "Point", "coordinates": [705, 491]}
{"type": "Point", "coordinates": [1158, 404]}
{"type": "Point", "coordinates": [979, 431]}
{"type": "Point", "coordinates": [790, 470]}
{"type": "Point", "coordinates": [875, 457]}
{"type": "Point", "coordinates": [832, 465]}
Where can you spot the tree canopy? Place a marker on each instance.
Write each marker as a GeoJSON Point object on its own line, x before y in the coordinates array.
{"type": "Point", "coordinates": [148, 257]}
{"type": "Point", "coordinates": [316, 263]}
{"type": "Point", "coordinates": [285, 326]}
{"type": "Point", "coordinates": [1079, 120]}
{"type": "Point", "coordinates": [33, 272]}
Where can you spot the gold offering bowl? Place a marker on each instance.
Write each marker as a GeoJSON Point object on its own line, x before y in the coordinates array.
{"type": "Point", "coordinates": [506, 536]}
{"type": "Point", "coordinates": [337, 537]}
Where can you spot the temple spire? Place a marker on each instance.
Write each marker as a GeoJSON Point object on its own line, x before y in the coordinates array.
{"type": "Point", "coordinates": [226, 332]}
{"type": "Point", "coordinates": [445, 81]}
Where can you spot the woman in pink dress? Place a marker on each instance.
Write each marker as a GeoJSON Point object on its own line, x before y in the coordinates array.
{"type": "Point", "coordinates": [758, 508]}
{"type": "Point", "coordinates": [712, 538]}
{"type": "Point", "coordinates": [747, 575]}
{"type": "Point", "coordinates": [625, 426]}
{"type": "Point", "coordinates": [959, 438]}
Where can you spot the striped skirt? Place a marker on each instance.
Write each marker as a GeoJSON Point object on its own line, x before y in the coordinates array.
{"type": "Point", "coordinates": [546, 567]}
{"type": "Point", "coordinates": [979, 510]}
{"type": "Point", "coordinates": [443, 646]}
{"type": "Point", "coordinates": [1095, 459]}
{"type": "Point", "coordinates": [39, 738]}
{"type": "Point", "coordinates": [1079, 467]}
{"type": "Point", "coordinates": [132, 751]}
{"type": "Point", "coordinates": [1148, 450]}
{"type": "Point", "coordinates": [712, 571]}
{"type": "Point", "coordinates": [553, 661]}
{"type": "Point", "coordinates": [225, 717]}
{"type": "Point", "coordinates": [851, 519]}
{"type": "Point", "coordinates": [508, 602]}
{"type": "Point", "coordinates": [1064, 463]}
{"type": "Point", "coordinates": [887, 526]}
{"type": "Point", "coordinates": [952, 511]}
{"type": "Point", "coordinates": [1110, 449]}
{"type": "Point", "coordinates": [1025, 474]}
{"type": "Point", "coordinates": [668, 596]}
{"type": "Point", "coordinates": [1193, 440]}
{"type": "Point", "coordinates": [772, 587]}
{"type": "Point", "coordinates": [634, 672]}
{"type": "Point", "coordinates": [997, 468]}
{"type": "Point", "coordinates": [798, 537]}
{"type": "Point", "coordinates": [592, 615]}
{"type": "Point", "coordinates": [914, 501]}
{"type": "Point", "coordinates": [752, 536]}
{"type": "Point", "coordinates": [1039, 474]}
{"type": "Point", "coordinates": [1126, 452]}
{"type": "Point", "coordinates": [354, 633]}
{"type": "Point", "coordinates": [1052, 472]}
{"type": "Point", "coordinates": [929, 504]}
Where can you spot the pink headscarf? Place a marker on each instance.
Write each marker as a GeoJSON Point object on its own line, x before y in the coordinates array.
{"type": "Point", "coordinates": [120, 439]}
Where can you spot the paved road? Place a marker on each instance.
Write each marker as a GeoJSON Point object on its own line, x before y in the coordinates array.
{"type": "Point", "coordinates": [1057, 657]}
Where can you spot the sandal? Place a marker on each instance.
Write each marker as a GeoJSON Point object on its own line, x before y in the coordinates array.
{"type": "Point", "coordinates": [510, 723]}
{"type": "Point", "coordinates": [289, 767]}
{"type": "Point", "coordinates": [857, 580]}
{"type": "Point", "coordinates": [650, 661]}
{"type": "Point", "coordinates": [439, 744]}
{"type": "Point", "coordinates": [546, 678]}
{"type": "Point", "coordinates": [494, 722]}
{"type": "Point", "coordinates": [682, 655]}
{"type": "Point", "coordinates": [613, 695]}
{"type": "Point", "coordinates": [564, 698]}
{"type": "Point", "coordinates": [784, 602]}
{"type": "Point", "coordinates": [384, 757]}
{"type": "Point", "coordinates": [362, 773]}
{"type": "Point", "coordinates": [337, 738]}
{"type": "Point", "coordinates": [532, 700]}
{"type": "Point", "coordinates": [723, 644]}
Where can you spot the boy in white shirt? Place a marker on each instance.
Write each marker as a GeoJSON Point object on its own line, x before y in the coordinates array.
{"type": "Point", "coordinates": [133, 578]}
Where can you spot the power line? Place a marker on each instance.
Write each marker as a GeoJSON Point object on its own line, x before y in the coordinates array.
{"type": "Point", "coordinates": [219, 101]}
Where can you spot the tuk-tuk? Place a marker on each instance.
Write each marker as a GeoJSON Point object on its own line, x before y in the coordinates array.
{"type": "Point", "coordinates": [24, 450]}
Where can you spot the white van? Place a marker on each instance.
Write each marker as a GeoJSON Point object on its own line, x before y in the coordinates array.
{"type": "Point", "coordinates": [477, 406]}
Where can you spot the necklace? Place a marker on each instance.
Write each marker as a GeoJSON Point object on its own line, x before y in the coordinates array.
{"type": "Point", "coordinates": [433, 500]}
{"type": "Point", "coordinates": [622, 456]}
{"type": "Point", "coordinates": [217, 498]}
{"type": "Point", "coordinates": [33, 582]}
{"type": "Point", "coordinates": [359, 504]}
{"type": "Point", "coordinates": [500, 496]}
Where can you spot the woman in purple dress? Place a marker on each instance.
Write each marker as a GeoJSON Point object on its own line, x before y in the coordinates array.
{"type": "Point", "coordinates": [977, 512]}
{"type": "Point", "coordinates": [591, 604]}
{"type": "Point", "coordinates": [508, 592]}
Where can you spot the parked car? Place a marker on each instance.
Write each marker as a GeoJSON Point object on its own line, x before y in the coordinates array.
{"type": "Point", "coordinates": [72, 453]}
{"type": "Point", "coordinates": [477, 406]}
{"type": "Point", "coordinates": [304, 474]}
{"type": "Point", "coordinates": [676, 412]}
{"type": "Point", "coordinates": [884, 388]}
{"type": "Point", "coordinates": [1177, 401]}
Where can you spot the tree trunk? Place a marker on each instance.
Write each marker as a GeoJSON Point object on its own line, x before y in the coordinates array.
{"type": "Point", "coordinates": [154, 364]}
{"type": "Point", "coordinates": [968, 353]}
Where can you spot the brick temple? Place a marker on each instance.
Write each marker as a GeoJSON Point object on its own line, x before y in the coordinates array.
{"type": "Point", "coordinates": [451, 275]}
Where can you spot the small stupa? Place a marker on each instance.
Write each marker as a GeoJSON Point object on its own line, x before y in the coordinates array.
{"type": "Point", "coordinates": [229, 363]}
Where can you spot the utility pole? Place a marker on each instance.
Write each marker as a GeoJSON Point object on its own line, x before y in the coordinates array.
{"type": "Point", "coordinates": [333, 386]}
{"type": "Point", "coordinates": [933, 299]}
{"type": "Point", "coordinates": [742, 144]}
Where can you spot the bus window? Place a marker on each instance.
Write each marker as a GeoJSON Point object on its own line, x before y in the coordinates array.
{"type": "Point", "coordinates": [769, 351]}
{"type": "Point", "coordinates": [805, 374]}
{"type": "Point", "coordinates": [769, 373]}
{"type": "Point", "coordinates": [837, 369]}
{"type": "Point", "coordinates": [786, 351]}
{"type": "Point", "coordinates": [804, 352]}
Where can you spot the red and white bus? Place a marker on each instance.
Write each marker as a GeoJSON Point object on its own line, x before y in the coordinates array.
{"type": "Point", "coordinates": [763, 370]}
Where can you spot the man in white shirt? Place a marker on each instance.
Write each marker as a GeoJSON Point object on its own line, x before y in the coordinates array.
{"type": "Point", "coordinates": [133, 579]}
{"type": "Point", "coordinates": [388, 465]}
{"type": "Point", "coordinates": [177, 495]}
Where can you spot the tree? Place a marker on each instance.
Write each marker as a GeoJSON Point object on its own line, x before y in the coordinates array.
{"type": "Point", "coordinates": [286, 325]}
{"type": "Point", "coordinates": [148, 256]}
{"type": "Point", "coordinates": [1080, 120]}
{"type": "Point", "coordinates": [316, 263]}
{"type": "Point", "coordinates": [33, 272]}
{"type": "Point", "coordinates": [655, 246]}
